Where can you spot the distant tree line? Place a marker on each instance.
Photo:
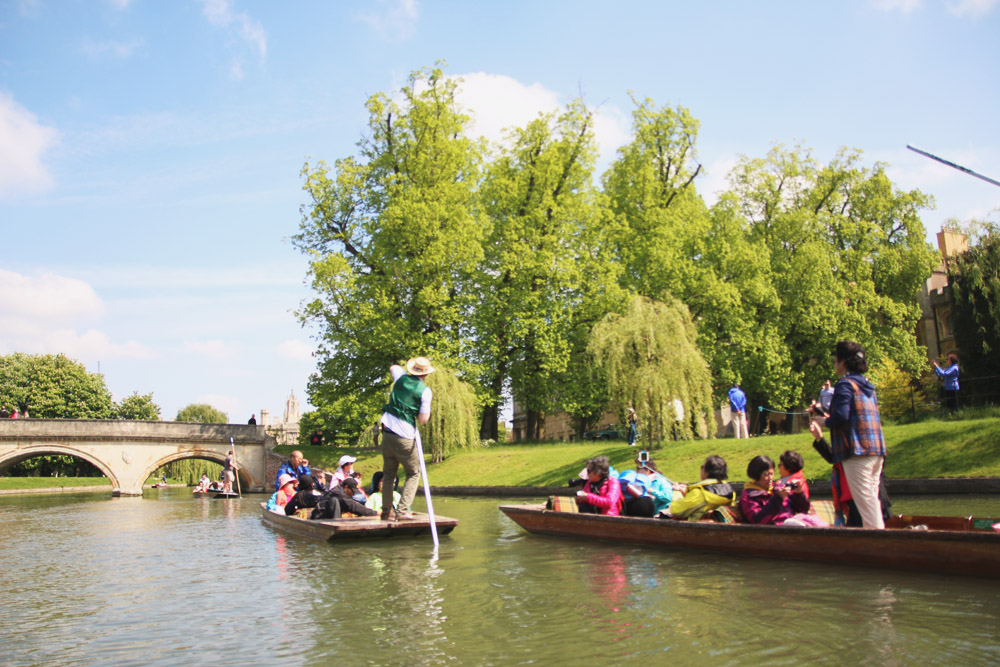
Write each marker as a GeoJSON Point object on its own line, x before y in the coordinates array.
{"type": "Point", "coordinates": [520, 268]}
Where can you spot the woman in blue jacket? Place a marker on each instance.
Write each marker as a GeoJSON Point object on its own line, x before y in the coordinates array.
{"type": "Point", "coordinates": [950, 375]}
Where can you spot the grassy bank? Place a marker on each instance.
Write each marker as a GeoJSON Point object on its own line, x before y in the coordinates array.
{"type": "Point", "coordinates": [968, 448]}
{"type": "Point", "coordinates": [20, 483]}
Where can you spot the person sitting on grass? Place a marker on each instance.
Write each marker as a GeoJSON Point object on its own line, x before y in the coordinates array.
{"type": "Point", "coordinates": [602, 493]}
{"type": "Point", "coordinates": [790, 465]}
{"type": "Point", "coordinates": [763, 502]}
{"type": "Point", "coordinates": [692, 502]}
{"type": "Point", "coordinates": [285, 492]}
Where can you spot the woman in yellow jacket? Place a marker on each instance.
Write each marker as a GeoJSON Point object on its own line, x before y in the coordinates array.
{"type": "Point", "coordinates": [711, 492]}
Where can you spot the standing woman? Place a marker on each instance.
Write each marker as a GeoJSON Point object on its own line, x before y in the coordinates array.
{"type": "Point", "coordinates": [856, 431]}
{"type": "Point", "coordinates": [950, 375]}
{"type": "Point", "coordinates": [633, 426]}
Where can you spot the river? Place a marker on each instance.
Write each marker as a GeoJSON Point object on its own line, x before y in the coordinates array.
{"type": "Point", "coordinates": [169, 579]}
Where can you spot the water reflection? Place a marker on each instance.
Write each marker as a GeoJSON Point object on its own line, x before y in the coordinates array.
{"type": "Point", "coordinates": [171, 579]}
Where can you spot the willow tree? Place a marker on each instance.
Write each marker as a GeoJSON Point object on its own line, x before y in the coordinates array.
{"type": "Point", "coordinates": [393, 236]}
{"type": "Point", "coordinates": [651, 359]}
{"type": "Point", "coordinates": [454, 422]}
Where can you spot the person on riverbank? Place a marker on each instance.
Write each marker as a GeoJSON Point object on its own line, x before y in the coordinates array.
{"type": "Point", "coordinates": [950, 376]}
{"type": "Point", "coordinates": [738, 409]}
{"type": "Point", "coordinates": [855, 427]}
{"type": "Point", "coordinates": [375, 497]}
{"type": "Point", "coordinates": [692, 502]}
{"type": "Point", "coordinates": [645, 490]}
{"type": "Point", "coordinates": [825, 396]}
{"type": "Point", "coordinates": [409, 404]}
{"type": "Point", "coordinates": [765, 502]}
{"type": "Point", "coordinates": [295, 466]}
{"type": "Point", "coordinates": [286, 491]}
{"type": "Point", "coordinates": [601, 493]}
{"type": "Point", "coordinates": [633, 426]}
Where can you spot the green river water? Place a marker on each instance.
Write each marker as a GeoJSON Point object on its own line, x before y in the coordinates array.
{"type": "Point", "coordinates": [171, 580]}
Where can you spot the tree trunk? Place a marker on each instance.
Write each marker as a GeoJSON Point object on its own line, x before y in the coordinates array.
{"type": "Point", "coordinates": [488, 426]}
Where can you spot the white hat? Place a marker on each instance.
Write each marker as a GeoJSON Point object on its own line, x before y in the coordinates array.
{"type": "Point", "coordinates": [345, 459]}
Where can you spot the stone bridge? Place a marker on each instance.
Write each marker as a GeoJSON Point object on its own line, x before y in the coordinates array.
{"type": "Point", "coordinates": [128, 452]}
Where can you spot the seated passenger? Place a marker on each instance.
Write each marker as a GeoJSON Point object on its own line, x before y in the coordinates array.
{"type": "Point", "coordinates": [790, 465]}
{"type": "Point", "coordinates": [778, 505]}
{"type": "Point", "coordinates": [693, 501]}
{"type": "Point", "coordinates": [360, 496]}
{"type": "Point", "coordinates": [285, 492]}
{"type": "Point", "coordinates": [374, 501]}
{"type": "Point", "coordinates": [306, 498]}
{"type": "Point", "coordinates": [203, 484]}
{"type": "Point", "coordinates": [602, 493]}
{"type": "Point", "coordinates": [645, 490]}
{"type": "Point", "coordinates": [338, 501]}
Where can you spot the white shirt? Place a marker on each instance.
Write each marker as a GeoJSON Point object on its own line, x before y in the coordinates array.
{"type": "Point", "coordinates": [400, 427]}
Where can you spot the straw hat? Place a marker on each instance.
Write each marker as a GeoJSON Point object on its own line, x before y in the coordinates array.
{"type": "Point", "coordinates": [419, 366]}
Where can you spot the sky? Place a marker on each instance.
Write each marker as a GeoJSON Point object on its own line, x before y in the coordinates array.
{"type": "Point", "coordinates": [150, 151]}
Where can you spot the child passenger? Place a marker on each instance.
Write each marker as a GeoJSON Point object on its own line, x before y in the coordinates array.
{"type": "Point", "coordinates": [778, 504]}
{"type": "Point", "coordinates": [790, 465]}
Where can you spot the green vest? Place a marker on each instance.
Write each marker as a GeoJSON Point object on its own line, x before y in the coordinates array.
{"type": "Point", "coordinates": [404, 401]}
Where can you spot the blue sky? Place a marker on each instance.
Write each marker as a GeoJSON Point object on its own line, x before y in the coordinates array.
{"type": "Point", "coordinates": [150, 151]}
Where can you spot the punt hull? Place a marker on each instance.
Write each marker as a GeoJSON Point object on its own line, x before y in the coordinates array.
{"type": "Point", "coordinates": [362, 527]}
{"type": "Point", "coordinates": [974, 553]}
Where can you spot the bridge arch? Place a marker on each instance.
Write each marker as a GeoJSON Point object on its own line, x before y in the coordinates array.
{"type": "Point", "coordinates": [48, 449]}
{"type": "Point", "coordinates": [246, 479]}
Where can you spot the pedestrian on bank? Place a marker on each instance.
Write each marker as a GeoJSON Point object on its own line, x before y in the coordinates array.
{"type": "Point", "coordinates": [409, 404]}
{"type": "Point", "coordinates": [633, 426]}
{"type": "Point", "coordinates": [950, 376]}
{"type": "Point", "coordinates": [738, 408]}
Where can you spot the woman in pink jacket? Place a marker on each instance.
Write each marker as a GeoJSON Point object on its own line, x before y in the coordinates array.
{"type": "Point", "coordinates": [602, 494]}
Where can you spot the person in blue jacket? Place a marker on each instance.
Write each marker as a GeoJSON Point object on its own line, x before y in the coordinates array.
{"type": "Point", "coordinates": [738, 407]}
{"type": "Point", "coordinates": [950, 375]}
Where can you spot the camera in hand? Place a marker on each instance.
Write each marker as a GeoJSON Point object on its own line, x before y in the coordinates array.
{"type": "Point", "coordinates": [576, 481]}
{"type": "Point", "coordinates": [644, 456]}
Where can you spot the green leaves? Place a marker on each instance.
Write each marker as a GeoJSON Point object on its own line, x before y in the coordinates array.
{"type": "Point", "coordinates": [53, 386]}
{"type": "Point", "coordinates": [201, 413]}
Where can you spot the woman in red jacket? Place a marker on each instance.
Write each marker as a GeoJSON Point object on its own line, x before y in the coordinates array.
{"type": "Point", "coordinates": [602, 494]}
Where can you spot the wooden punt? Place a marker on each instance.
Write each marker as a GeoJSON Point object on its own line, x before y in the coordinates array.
{"type": "Point", "coordinates": [949, 545]}
{"type": "Point", "coordinates": [356, 527]}
{"type": "Point", "coordinates": [224, 494]}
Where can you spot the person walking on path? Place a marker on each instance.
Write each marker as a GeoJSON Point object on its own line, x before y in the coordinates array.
{"type": "Point", "coordinates": [633, 426]}
{"type": "Point", "coordinates": [738, 407]}
{"type": "Point", "coordinates": [409, 404]}
{"type": "Point", "coordinates": [950, 375]}
{"type": "Point", "coordinates": [856, 431]}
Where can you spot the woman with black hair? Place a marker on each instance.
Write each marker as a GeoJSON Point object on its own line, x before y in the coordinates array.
{"type": "Point", "coordinates": [856, 431]}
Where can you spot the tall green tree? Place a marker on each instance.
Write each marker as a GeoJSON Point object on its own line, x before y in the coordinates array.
{"type": "Point", "coordinates": [545, 271]}
{"type": "Point", "coordinates": [974, 277]}
{"type": "Point", "coordinates": [393, 236]}
{"type": "Point", "coordinates": [52, 386]}
{"type": "Point", "coordinates": [201, 413]}
{"type": "Point", "coordinates": [454, 421]}
{"type": "Point", "coordinates": [651, 358]}
{"type": "Point", "coordinates": [138, 406]}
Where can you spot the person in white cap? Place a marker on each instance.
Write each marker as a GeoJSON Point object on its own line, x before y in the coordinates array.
{"type": "Point", "coordinates": [345, 466]}
{"type": "Point", "coordinates": [409, 404]}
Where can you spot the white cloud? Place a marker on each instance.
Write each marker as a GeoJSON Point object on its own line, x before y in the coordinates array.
{"type": "Point", "coordinates": [50, 314]}
{"type": "Point", "coordinates": [213, 349]}
{"type": "Point", "coordinates": [221, 13]}
{"type": "Point", "coordinates": [394, 20]}
{"type": "Point", "coordinates": [972, 8]}
{"type": "Point", "coordinates": [23, 142]}
{"type": "Point", "coordinates": [497, 102]}
{"type": "Point", "coordinates": [114, 49]}
{"type": "Point", "coordinates": [714, 178]}
{"type": "Point", "coordinates": [903, 6]}
{"type": "Point", "coordinates": [295, 350]}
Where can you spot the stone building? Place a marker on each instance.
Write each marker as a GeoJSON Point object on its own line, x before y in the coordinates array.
{"type": "Point", "coordinates": [934, 330]}
{"type": "Point", "coordinates": [285, 431]}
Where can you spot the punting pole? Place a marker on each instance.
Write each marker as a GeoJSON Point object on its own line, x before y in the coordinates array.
{"type": "Point", "coordinates": [427, 489]}
{"type": "Point", "coordinates": [953, 165]}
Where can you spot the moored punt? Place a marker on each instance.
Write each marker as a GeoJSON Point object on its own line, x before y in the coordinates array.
{"type": "Point", "coordinates": [950, 545]}
{"type": "Point", "coordinates": [356, 527]}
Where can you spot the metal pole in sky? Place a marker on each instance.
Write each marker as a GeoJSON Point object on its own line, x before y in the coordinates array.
{"type": "Point", "coordinates": [953, 165]}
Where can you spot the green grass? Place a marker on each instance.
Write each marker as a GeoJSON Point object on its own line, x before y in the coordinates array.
{"type": "Point", "coordinates": [19, 483]}
{"type": "Point", "coordinates": [938, 448]}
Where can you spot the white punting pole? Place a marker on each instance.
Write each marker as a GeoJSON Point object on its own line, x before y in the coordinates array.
{"type": "Point", "coordinates": [427, 489]}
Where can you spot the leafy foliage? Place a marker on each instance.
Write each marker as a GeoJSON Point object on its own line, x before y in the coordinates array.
{"type": "Point", "coordinates": [454, 422]}
{"type": "Point", "coordinates": [138, 406]}
{"type": "Point", "coordinates": [651, 358]}
{"type": "Point", "coordinates": [201, 413]}
{"type": "Point", "coordinates": [974, 277]}
{"type": "Point", "coordinates": [53, 386]}
{"type": "Point", "coordinates": [898, 393]}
